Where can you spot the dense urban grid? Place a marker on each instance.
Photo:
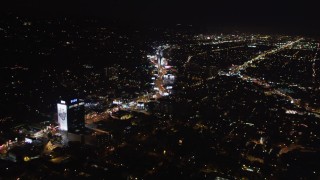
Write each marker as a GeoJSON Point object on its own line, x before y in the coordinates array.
{"type": "Point", "coordinates": [156, 102]}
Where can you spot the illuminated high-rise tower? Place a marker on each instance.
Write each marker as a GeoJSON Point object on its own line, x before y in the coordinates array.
{"type": "Point", "coordinates": [159, 60]}
{"type": "Point", "coordinates": [71, 114]}
{"type": "Point", "coordinates": [159, 56]}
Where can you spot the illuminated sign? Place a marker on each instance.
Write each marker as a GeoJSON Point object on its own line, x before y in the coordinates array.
{"type": "Point", "coordinates": [73, 100]}
{"type": "Point", "coordinates": [63, 102]}
{"type": "Point", "coordinates": [62, 117]}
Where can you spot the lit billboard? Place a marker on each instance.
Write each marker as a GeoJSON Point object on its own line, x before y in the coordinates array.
{"type": "Point", "coordinates": [62, 117]}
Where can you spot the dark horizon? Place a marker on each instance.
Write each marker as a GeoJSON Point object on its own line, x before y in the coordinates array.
{"type": "Point", "coordinates": [283, 17]}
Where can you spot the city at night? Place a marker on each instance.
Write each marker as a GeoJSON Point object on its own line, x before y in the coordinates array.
{"type": "Point", "coordinates": [159, 90]}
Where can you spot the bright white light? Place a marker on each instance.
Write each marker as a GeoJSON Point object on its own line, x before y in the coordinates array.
{"type": "Point", "coordinates": [117, 102]}
{"type": "Point", "coordinates": [140, 105]}
{"type": "Point", "coordinates": [27, 140]}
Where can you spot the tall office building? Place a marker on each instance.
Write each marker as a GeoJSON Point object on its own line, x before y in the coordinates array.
{"type": "Point", "coordinates": [71, 115]}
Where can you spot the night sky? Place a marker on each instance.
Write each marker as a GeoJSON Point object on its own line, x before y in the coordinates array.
{"type": "Point", "coordinates": [294, 15]}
